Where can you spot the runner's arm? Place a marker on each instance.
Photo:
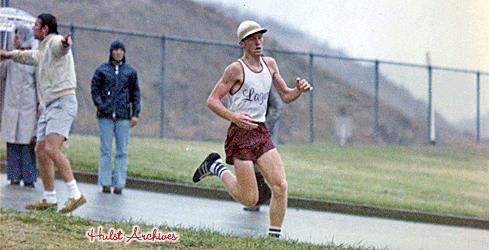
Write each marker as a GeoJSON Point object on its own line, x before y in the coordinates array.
{"type": "Point", "coordinates": [287, 94]}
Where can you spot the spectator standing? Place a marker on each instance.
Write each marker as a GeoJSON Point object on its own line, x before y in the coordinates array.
{"type": "Point", "coordinates": [115, 93]}
{"type": "Point", "coordinates": [20, 112]}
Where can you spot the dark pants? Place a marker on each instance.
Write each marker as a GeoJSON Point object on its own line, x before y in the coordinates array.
{"type": "Point", "coordinates": [21, 162]}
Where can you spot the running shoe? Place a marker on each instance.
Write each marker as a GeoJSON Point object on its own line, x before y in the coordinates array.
{"type": "Point", "coordinates": [254, 208]}
{"type": "Point", "coordinates": [205, 167]}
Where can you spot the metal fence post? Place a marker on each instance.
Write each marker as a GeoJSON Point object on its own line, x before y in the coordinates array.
{"type": "Point", "coordinates": [311, 99]}
{"type": "Point", "coordinates": [162, 90]}
{"type": "Point", "coordinates": [478, 119]}
{"type": "Point", "coordinates": [376, 105]}
{"type": "Point", "coordinates": [72, 31]}
{"type": "Point", "coordinates": [431, 114]}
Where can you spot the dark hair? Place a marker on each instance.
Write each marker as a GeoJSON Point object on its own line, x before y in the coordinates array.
{"type": "Point", "coordinates": [50, 21]}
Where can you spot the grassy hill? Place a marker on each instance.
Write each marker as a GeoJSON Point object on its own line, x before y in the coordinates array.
{"type": "Point", "coordinates": [191, 70]}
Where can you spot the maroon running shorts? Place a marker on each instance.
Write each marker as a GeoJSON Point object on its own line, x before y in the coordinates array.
{"type": "Point", "coordinates": [247, 145]}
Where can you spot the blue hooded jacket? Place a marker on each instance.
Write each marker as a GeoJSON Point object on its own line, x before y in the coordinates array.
{"type": "Point", "coordinates": [115, 88]}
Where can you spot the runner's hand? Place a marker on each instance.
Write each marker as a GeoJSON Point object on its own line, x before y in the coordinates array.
{"type": "Point", "coordinates": [302, 85]}
{"type": "Point", "coordinates": [244, 121]}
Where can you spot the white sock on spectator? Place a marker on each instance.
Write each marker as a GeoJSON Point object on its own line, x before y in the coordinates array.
{"type": "Point", "coordinates": [50, 197]}
{"type": "Point", "coordinates": [73, 190]}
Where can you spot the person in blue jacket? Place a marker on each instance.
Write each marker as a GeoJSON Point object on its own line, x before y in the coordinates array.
{"type": "Point", "coordinates": [115, 93]}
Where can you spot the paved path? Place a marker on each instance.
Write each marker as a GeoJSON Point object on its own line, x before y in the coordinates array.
{"type": "Point", "coordinates": [227, 216]}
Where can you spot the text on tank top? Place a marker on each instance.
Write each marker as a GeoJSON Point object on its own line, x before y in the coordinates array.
{"type": "Point", "coordinates": [252, 97]}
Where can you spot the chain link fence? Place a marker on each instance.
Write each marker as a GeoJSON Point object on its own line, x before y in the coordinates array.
{"type": "Point", "coordinates": [354, 100]}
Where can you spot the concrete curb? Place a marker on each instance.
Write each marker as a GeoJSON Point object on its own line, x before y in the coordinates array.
{"type": "Point", "coordinates": [295, 202]}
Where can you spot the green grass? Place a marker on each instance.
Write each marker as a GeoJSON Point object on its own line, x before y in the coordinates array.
{"type": "Point", "coordinates": [437, 179]}
{"type": "Point", "coordinates": [48, 230]}
{"type": "Point", "coordinates": [433, 179]}
{"type": "Point", "coordinates": [444, 180]}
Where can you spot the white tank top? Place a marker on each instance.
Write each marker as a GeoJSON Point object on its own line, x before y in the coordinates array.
{"type": "Point", "coordinates": [252, 97]}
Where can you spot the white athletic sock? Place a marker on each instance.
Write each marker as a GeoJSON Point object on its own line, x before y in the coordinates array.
{"type": "Point", "coordinates": [73, 191]}
{"type": "Point", "coordinates": [218, 168]}
{"type": "Point", "coordinates": [274, 231]}
{"type": "Point", "coordinates": [50, 197]}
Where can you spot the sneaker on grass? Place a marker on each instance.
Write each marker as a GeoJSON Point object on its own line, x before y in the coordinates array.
{"type": "Point", "coordinates": [42, 206]}
{"type": "Point", "coordinates": [73, 204]}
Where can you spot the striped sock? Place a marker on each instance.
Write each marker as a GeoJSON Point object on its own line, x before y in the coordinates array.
{"type": "Point", "coordinates": [218, 168]}
{"type": "Point", "coordinates": [274, 231]}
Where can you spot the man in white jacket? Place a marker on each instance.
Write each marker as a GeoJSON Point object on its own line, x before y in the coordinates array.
{"type": "Point", "coordinates": [56, 92]}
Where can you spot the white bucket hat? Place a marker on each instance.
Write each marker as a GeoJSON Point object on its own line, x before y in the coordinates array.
{"type": "Point", "coordinates": [248, 28]}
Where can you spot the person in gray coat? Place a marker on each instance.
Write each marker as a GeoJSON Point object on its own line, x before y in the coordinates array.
{"type": "Point", "coordinates": [20, 113]}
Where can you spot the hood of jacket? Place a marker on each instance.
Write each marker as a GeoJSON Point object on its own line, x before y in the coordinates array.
{"type": "Point", "coordinates": [116, 44]}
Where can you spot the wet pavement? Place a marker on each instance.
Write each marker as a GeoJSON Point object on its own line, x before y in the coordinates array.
{"type": "Point", "coordinates": [157, 208]}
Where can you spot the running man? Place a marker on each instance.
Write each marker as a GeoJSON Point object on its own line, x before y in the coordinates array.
{"type": "Point", "coordinates": [248, 82]}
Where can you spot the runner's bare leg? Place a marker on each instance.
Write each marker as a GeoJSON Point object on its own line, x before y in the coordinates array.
{"type": "Point", "coordinates": [270, 165]}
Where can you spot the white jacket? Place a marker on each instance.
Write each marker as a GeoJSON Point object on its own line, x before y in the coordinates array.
{"type": "Point", "coordinates": [56, 68]}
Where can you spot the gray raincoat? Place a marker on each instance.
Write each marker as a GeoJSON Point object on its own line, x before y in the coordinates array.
{"type": "Point", "coordinates": [20, 104]}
